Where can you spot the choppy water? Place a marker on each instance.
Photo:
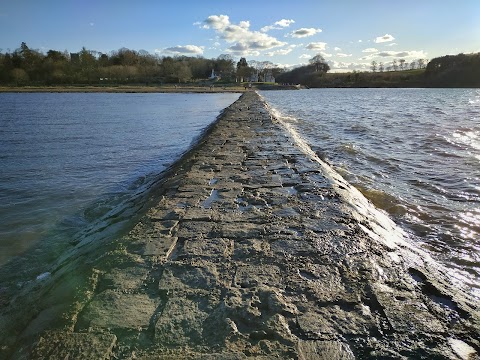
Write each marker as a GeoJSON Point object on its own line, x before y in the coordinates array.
{"type": "Point", "coordinates": [415, 153]}
{"type": "Point", "coordinates": [73, 165]}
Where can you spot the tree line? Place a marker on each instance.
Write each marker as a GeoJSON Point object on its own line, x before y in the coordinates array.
{"type": "Point", "coordinates": [25, 66]}
{"type": "Point", "coordinates": [462, 70]}
{"type": "Point", "coordinates": [398, 65]}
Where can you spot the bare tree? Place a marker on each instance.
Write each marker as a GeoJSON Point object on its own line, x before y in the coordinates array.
{"type": "Point", "coordinates": [319, 63]}
{"type": "Point", "coordinates": [421, 63]}
{"type": "Point", "coordinates": [373, 66]}
{"type": "Point", "coordinates": [381, 67]}
{"type": "Point", "coordinates": [402, 64]}
{"type": "Point", "coordinates": [395, 65]}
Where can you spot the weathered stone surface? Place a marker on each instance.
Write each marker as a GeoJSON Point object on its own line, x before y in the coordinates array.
{"type": "Point", "coordinates": [118, 310]}
{"type": "Point", "coordinates": [64, 345]}
{"type": "Point", "coordinates": [324, 350]}
{"type": "Point", "coordinates": [252, 250]}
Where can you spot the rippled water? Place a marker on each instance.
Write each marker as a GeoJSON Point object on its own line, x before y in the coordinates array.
{"type": "Point", "coordinates": [73, 165]}
{"type": "Point", "coordinates": [413, 152]}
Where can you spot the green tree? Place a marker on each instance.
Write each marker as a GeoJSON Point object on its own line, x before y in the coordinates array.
{"type": "Point", "coordinates": [20, 77]}
{"type": "Point", "coordinates": [182, 72]}
{"type": "Point", "coordinates": [319, 63]}
{"type": "Point", "coordinates": [88, 65]}
{"type": "Point", "coordinates": [225, 66]}
{"type": "Point", "coordinates": [243, 70]}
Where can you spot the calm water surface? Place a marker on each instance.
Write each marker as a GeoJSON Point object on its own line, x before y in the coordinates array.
{"type": "Point", "coordinates": [413, 152]}
{"type": "Point", "coordinates": [74, 164]}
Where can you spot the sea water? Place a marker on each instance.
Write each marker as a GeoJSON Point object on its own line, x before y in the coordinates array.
{"type": "Point", "coordinates": [415, 153]}
{"type": "Point", "coordinates": [78, 165]}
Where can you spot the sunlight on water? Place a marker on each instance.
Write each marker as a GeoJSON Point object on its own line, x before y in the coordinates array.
{"type": "Point", "coordinates": [413, 152]}
{"type": "Point", "coordinates": [84, 163]}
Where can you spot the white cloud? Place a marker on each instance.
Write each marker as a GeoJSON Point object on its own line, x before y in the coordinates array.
{"type": "Point", "coordinates": [216, 22]}
{"type": "Point", "coordinates": [404, 54]}
{"type": "Point", "coordinates": [247, 42]}
{"type": "Point", "coordinates": [278, 25]}
{"type": "Point", "coordinates": [342, 55]}
{"type": "Point", "coordinates": [392, 44]}
{"type": "Point", "coordinates": [360, 41]}
{"type": "Point", "coordinates": [340, 66]}
{"type": "Point", "coordinates": [337, 49]}
{"type": "Point", "coordinates": [305, 56]}
{"type": "Point", "coordinates": [325, 55]}
{"type": "Point", "coordinates": [384, 38]}
{"type": "Point", "coordinates": [285, 51]}
{"type": "Point", "coordinates": [316, 46]}
{"type": "Point", "coordinates": [285, 22]}
{"type": "Point", "coordinates": [370, 50]}
{"type": "Point", "coordinates": [243, 49]}
{"type": "Point", "coordinates": [304, 32]}
{"type": "Point", "coordinates": [244, 24]}
{"type": "Point", "coordinates": [412, 54]}
{"type": "Point", "coordinates": [187, 49]}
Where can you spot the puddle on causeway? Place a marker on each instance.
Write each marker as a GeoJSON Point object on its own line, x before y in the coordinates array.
{"type": "Point", "coordinates": [213, 181]}
{"type": "Point", "coordinates": [207, 204]}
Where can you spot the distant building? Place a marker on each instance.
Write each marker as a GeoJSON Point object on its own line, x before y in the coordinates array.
{"type": "Point", "coordinates": [253, 77]}
{"type": "Point", "coordinates": [256, 77]}
{"type": "Point", "coordinates": [214, 76]}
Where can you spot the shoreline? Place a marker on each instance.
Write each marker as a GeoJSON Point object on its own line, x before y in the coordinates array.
{"type": "Point", "coordinates": [253, 247]}
{"type": "Point", "coordinates": [122, 89]}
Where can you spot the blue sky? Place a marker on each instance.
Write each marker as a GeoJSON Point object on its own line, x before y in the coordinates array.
{"type": "Point", "coordinates": [348, 33]}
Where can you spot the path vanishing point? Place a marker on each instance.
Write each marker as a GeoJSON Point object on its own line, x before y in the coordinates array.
{"type": "Point", "coordinates": [254, 249]}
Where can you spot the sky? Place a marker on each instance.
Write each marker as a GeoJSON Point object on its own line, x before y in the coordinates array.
{"type": "Point", "coordinates": [349, 34]}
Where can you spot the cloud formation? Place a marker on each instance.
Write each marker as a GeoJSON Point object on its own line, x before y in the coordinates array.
{"type": "Point", "coordinates": [370, 50]}
{"type": "Point", "coordinates": [316, 46]}
{"type": "Point", "coordinates": [411, 54]}
{"type": "Point", "coordinates": [403, 54]}
{"type": "Point", "coordinates": [285, 51]}
{"type": "Point", "coordinates": [186, 49]}
{"type": "Point", "coordinates": [247, 42]}
{"type": "Point", "coordinates": [342, 55]}
{"type": "Point", "coordinates": [340, 66]}
{"type": "Point", "coordinates": [278, 25]}
{"type": "Point", "coordinates": [304, 32]}
{"type": "Point", "coordinates": [384, 38]}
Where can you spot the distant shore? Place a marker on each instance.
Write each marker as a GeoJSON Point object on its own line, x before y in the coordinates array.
{"type": "Point", "coordinates": [219, 88]}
